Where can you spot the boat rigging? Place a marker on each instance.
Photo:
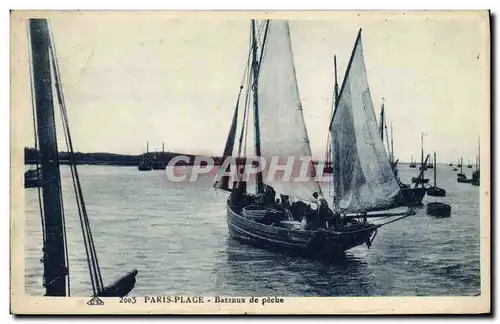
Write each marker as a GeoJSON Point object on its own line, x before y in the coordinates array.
{"type": "Point", "coordinates": [56, 279]}
{"type": "Point", "coordinates": [290, 222]}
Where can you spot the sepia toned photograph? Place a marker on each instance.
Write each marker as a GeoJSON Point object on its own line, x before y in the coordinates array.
{"type": "Point", "coordinates": [250, 162]}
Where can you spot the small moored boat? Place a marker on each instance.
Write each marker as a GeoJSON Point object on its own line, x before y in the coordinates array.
{"type": "Point", "coordinates": [434, 190]}
{"type": "Point", "coordinates": [438, 209]}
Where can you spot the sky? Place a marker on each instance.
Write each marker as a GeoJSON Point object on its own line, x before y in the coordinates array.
{"type": "Point", "coordinates": [173, 79]}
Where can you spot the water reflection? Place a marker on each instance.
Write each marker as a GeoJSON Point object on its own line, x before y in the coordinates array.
{"type": "Point", "coordinates": [245, 269]}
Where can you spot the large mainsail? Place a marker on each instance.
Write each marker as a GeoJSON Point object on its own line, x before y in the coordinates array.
{"type": "Point", "coordinates": [283, 132]}
{"type": "Point", "coordinates": [363, 179]}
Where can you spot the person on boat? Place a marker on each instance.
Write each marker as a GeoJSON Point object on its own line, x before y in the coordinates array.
{"type": "Point", "coordinates": [285, 201]}
{"type": "Point", "coordinates": [269, 195]}
{"type": "Point", "coordinates": [278, 205]}
{"type": "Point", "coordinates": [242, 185]}
{"type": "Point", "coordinates": [236, 197]}
{"type": "Point", "coordinates": [260, 199]}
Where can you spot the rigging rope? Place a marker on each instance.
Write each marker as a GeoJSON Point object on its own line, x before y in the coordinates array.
{"type": "Point", "coordinates": [246, 75]}
{"type": "Point", "coordinates": [92, 261]}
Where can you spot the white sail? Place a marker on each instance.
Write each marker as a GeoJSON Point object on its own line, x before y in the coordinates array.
{"type": "Point", "coordinates": [283, 132]}
{"type": "Point", "coordinates": [363, 179]}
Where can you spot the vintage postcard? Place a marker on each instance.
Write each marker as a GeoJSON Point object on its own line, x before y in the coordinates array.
{"type": "Point", "coordinates": [226, 162]}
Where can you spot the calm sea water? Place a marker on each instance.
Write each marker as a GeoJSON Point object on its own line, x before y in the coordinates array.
{"type": "Point", "coordinates": [176, 236]}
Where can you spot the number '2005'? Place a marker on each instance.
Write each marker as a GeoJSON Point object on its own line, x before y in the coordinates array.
{"type": "Point", "coordinates": [127, 300]}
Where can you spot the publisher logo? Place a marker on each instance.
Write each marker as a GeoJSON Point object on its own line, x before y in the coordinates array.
{"type": "Point", "coordinates": [95, 301]}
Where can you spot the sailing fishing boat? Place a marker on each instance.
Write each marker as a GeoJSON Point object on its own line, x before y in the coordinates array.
{"type": "Point", "coordinates": [420, 180]}
{"type": "Point", "coordinates": [411, 196]}
{"type": "Point", "coordinates": [412, 162]}
{"type": "Point", "coordinates": [390, 147]}
{"type": "Point", "coordinates": [33, 178]}
{"type": "Point", "coordinates": [292, 224]}
{"type": "Point", "coordinates": [145, 164]}
{"type": "Point", "coordinates": [43, 61]}
{"type": "Point", "coordinates": [158, 162]}
{"type": "Point", "coordinates": [434, 190]}
{"type": "Point", "coordinates": [461, 176]}
{"type": "Point", "coordinates": [430, 165]}
{"type": "Point", "coordinates": [475, 181]}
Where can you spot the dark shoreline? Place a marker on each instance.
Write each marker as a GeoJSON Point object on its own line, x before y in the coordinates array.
{"type": "Point", "coordinates": [31, 156]}
{"type": "Point", "coordinates": [161, 159]}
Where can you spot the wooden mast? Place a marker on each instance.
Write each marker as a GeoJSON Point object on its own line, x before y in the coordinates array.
{"type": "Point", "coordinates": [435, 167]}
{"type": "Point", "coordinates": [54, 260]}
{"type": "Point", "coordinates": [255, 72]}
{"type": "Point", "coordinates": [336, 87]}
{"type": "Point", "coordinates": [478, 164]}
{"type": "Point", "coordinates": [382, 122]}
{"type": "Point", "coordinates": [328, 159]}
{"type": "Point", "coordinates": [392, 146]}
{"type": "Point", "coordinates": [423, 167]}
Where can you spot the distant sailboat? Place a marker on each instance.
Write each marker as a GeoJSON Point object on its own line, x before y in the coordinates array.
{"type": "Point", "coordinates": [279, 130]}
{"type": "Point", "coordinates": [420, 180]}
{"type": "Point", "coordinates": [145, 164]}
{"type": "Point", "coordinates": [411, 196]}
{"type": "Point", "coordinates": [412, 162]}
{"type": "Point", "coordinates": [430, 165]}
{"type": "Point", "coordinates": [33, 178]}
{"type": "Point", "coordinates": [461, 176]}
{"type": "Point", "coordinates": [475, 181]}
{"type": "Point", "coordinates": [158, 162]}
{"type": "Point", "coordinates": [434, 190]}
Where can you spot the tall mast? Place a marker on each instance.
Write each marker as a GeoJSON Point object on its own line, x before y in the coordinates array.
{"type": "Point", "coordinates": [461, 164]}
{"type": "Point", "coordinates": [335, 100]}
{"type": "Point", "coordinates": [422, 150]}
{"type": "Point", "coordinates": [422, 166]}
{"type": "Point", "coordinates": [478, 166]}
{"type": "Point", "coordinates": [435, 167]}
{"type": "Point", "coordinates": [382, 123]}
{"type": "Point", "coordinates": [55, 268]}
{"type": "Point", "coordinates": [336, 88]}
{"type": "Point", "coordinates": [255, 73]}
{"type": "Point", "coordinates": [392, 145]}
{"type": "Point", "coordinates": [147, 146]}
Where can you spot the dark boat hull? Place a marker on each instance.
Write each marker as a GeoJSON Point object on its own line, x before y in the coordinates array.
{"type": "Point", "coordinates": [32, 183]}
{"type": "Point", "coordinates": [438, 209]}
{"type": "Point", "coordinates": [319, 243]}
{"type": "Point", "coordinates": [413, 196]}
{"type": "Point", "coordinates": [436, 192]}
